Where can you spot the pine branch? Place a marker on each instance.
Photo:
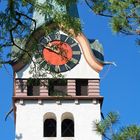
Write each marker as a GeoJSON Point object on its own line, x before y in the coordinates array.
{"type": "Point", "coordinates": [104, 15]}
{"type": "Point", "coordinates": [101, 14]}
{"type": "Point", "coordinates": [106, 137]}
{"type": "Point", "coordinates": [6, 45]}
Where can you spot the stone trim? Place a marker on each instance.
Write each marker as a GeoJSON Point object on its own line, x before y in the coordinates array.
{"type": "Point", "coordinates": [71, 87]}
{"type": "Point", "coordinates": [58, 97]}
{"type": "Point", "coordinates": [93, 87]}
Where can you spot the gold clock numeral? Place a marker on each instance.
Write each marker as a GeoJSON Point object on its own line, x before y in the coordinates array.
{"type": "Point", "coordinates": [57, 68]}
{"type": "Point", "coordinates": [66, 39]}
{"type": "Point", "coordinates": [75, 61]}
{"type": "Point", "coordinates": [67, 67]}
{"type": "Point", "coordinates": [48, 39]}
{"type": "Point", "coordinates": [45, 40]}
{"type": "Point", "coordinates": [76, 52]}
{"type": "Point", "coordinates": [74, 44]}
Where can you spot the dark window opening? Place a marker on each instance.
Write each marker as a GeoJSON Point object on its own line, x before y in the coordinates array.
{"type": "Point", "coordinates": [57, 87]}
{"type": "Point", "coordinates": [81, 87]}
{"type": "Point", "coordinates": [33, 86]}
{"type": "Point", "coordinates": [50, 128]}
{"type": "Point", "coordinates": [67, 128]}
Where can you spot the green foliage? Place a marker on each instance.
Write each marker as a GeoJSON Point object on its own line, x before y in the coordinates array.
{"type": "Point", "coordinates": [107, 129]}
{"type": "Point", "coordinates": [131, 132]}
{"type": "Point", "coordinates": [124, 14]}
{"type": "Point", "coordinates": [67, 22]}
{"type": "Point", "coordinates": [16, 18]}
{"type": "Point", "coordinates": [58, 93]}
{"type": "Point", "coordinates": [118, 23]}
{"type": "Point", "coordinates": [99, 6]}
{"type": "Point", "coordinates": [33, 82]}
{"type": "Point", "coordinates": [66, 2]}
{"type": "Point", "coordinates": [106, 124]}
{"type": "Point", "coordinates": [16, 21]}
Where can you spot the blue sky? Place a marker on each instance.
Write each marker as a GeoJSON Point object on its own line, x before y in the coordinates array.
{"type": "Point", "coordinates": [120, 85]}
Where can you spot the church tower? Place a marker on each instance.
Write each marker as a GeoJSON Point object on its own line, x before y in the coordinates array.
{"type": "Point", "coordinates": [57, 94]}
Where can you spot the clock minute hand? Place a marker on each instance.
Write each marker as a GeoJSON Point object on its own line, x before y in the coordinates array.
{"type": "Point", "coordinates": [52, 49]}
{"type": "Point", "coordinates": [57, 51]}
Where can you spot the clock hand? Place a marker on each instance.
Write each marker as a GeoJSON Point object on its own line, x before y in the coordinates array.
{"type": "Point", "coordinates": [57, 50]}
{"type": "Point", "coordinates": [52, 49]}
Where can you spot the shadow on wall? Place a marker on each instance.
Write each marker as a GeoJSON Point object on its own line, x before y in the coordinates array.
{"type": "Point", "coordinates": [19, 136]}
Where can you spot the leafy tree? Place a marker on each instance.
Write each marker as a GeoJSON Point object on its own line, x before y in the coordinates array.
{"type": "Point", "coordinates": [17, 23]}
{"type": "Point", "coordinates": [124, 14]}
{"type": "Point", "coordinates": [107, 128]}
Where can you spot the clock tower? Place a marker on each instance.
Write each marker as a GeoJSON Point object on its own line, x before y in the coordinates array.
{"type": "Point", "coordinates": [57, 94]}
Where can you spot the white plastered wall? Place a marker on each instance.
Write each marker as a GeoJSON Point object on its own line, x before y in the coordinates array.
{"type": "Point", "coordinates": [81, 70]}
{"type": "Point", "coordinates": [29, 119]}
{"type": "Point", "coordinates": [29, 116]}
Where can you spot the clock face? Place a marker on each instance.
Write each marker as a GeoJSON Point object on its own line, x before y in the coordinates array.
{"type": "Point", "coordinates": [60, 52]}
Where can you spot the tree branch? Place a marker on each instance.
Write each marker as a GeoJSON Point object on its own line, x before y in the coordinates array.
{"type": "Point", "coordinates": [8, 113]}
{"type": "Point", "coordinates": [101, 14]}
{"type": "Point", "coordinates": [5, 45]}
{"type": "Point", "coordinates": [106, 137]}
{"type": "Point", "coordinates": [6, 62]}
{"type": "Point", "coordinates": [29, 2]}
{"type": "Point", "coordinates": [104, 15]}
{"type": "Point", "coordinates": [14, 44]}
{"type": "Point", "coordinates": [19, 13]}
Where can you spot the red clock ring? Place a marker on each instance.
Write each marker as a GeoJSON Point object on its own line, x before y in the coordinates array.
{"type": "Point", "coordinates": [57, 53]}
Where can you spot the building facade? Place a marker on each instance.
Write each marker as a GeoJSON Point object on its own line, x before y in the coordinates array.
{"type": "Point", "coordinates": [59, 98]}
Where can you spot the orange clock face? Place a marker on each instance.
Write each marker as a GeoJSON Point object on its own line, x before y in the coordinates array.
{"type": "Point", "coordinates": [60, 52]}
{"type": "Point", "coordinates": [57, 53]}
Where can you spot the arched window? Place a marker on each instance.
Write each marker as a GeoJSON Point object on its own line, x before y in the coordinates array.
{"type": "Point", "coordinates": [50, 128]}
{"type": "Point", "coordinates": [50, 125]}
{"type": "Point", "coordinates": [67, 126]}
